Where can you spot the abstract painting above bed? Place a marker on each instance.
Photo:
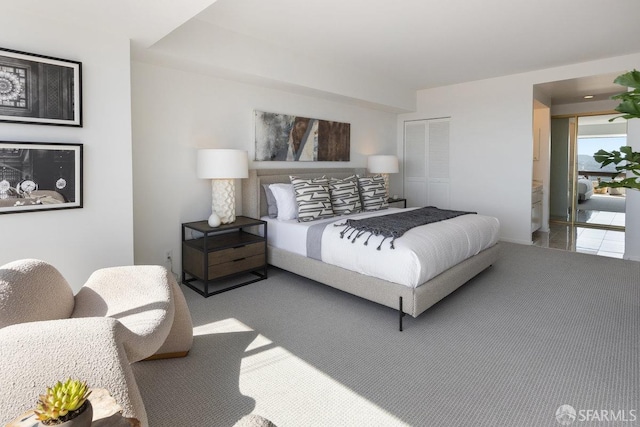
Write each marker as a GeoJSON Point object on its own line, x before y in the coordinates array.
{"type": "Point", "coordinates": [285, 137]}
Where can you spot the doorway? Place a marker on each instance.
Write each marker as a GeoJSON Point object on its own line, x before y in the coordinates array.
{"type": "Point", "coordinates": [585, 217]}
{"type": "Point", "coordinates": [575, 194]}
{"type": "Point", "coordinates": [599, 205]}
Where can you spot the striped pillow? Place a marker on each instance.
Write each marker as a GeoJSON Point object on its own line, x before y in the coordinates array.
{"type": "Point", "coordinates": [345, 197]}
{"type": "Point", "coordinates": [312, 196]}
{"type": "Point", "coordinates": [373, 193]}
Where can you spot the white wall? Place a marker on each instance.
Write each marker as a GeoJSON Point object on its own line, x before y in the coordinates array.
{"type": "Point", "coordinates": [542, 131]}
{"type": "Point", "coordinates": [203, 46]}
{"type": "Point", "coordinates": [491, 148]}
{"type": "Point", "coordinates": [491, 139]}
{"type": "Point", "coordinates": [175, 112]}
{"type": "Point", "coordinates": [78, 241]}
{"type": "Point", "coordinates": [632, 218]}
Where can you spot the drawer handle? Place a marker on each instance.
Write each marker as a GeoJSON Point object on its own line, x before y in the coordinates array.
{"type": "Point", "coordinates": [239, 259]}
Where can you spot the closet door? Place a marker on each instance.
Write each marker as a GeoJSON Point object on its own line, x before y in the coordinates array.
{"type": "Point", "coordinates": [415, 163]}
{"type": "Point", "coordinates": [426, 164]}
{"type": "Point", "coordinates": [438, 164]}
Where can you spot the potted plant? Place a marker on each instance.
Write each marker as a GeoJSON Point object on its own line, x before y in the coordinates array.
{"type": "Point", "coordinates": [65, 404]}
{"type": "Point", "coordinates": [626, 160]}
{"type": "Point", "coordinates": [631, 164]}
{"type": "Point", "coordinates": [629, 101]}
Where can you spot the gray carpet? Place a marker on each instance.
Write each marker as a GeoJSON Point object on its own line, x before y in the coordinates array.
{"type": "Point", "coordinates": [539, 329]}
{"type": "Point", "coordinates": [603, 203]}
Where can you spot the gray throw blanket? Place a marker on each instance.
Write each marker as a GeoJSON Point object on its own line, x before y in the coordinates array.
{"type": "Point", "coordinates": [395, 225]}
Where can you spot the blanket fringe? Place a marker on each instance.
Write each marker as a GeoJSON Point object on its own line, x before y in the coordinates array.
{"type": "Point", "coordinates": [349, 232]}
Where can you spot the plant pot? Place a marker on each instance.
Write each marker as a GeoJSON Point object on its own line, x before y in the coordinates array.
{"type": "Point", "coordinates": [82, 420]}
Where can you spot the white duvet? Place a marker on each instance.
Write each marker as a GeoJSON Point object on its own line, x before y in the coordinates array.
{"type": "Point", "coordinates": [419, 255]}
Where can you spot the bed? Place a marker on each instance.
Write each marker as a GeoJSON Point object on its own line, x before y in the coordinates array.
{"type": "Point", "coordinates": [585, 189]}
{"type": "Point", "coordinates": [411, 300]}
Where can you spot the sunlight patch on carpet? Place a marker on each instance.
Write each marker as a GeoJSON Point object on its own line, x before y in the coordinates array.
{"type": "Point", "coordinates": [277, 378]}
{"type": "Point", "coordinates": [272, 375]}
{"type": "Point", "coordinates": [221, 327]}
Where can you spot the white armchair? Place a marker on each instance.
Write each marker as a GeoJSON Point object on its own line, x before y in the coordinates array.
{"type": "Point", "coordinates": [120, 316]}
{"type": "Point", "coordinates": [38, 354]}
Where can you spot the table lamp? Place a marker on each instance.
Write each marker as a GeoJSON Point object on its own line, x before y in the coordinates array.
{"type": "Point", "coordinates": [222, 166]}
{"type": "Point", "coordinates": [384, 165]}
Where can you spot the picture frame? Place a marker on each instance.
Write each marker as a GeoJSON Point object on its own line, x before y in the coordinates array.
{"type": "Point", "coordinates": [292, 138]}
{"type": "Point", "coordinates": [38, 89]}
{"type": "Point", "coordinates": [40, 176]}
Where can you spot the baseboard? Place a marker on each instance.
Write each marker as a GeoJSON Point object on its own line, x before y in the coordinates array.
{"type": "Point", "coordinates": [172, 355]}
{"type": "Point", "coordinates": [631, 258]}
{"type": "Point", "coordinates": [519, 242]}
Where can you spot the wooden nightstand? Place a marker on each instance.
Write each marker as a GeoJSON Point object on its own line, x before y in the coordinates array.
{"type": "Point", "coordinates": [216, 254]}
{"type": "Point", "coordinates": [392, 201]}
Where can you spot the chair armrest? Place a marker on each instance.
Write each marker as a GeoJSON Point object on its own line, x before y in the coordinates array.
{"type": "Point", "coordinates": [139, 297]}
{"type": "Point", "coordinates": [38, 354]}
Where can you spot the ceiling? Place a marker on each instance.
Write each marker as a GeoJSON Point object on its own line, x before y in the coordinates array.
{"type": "Point", "coordinates": [428, 43]}
{"type": "Point", "coordinates": [358, 47]}
{"type": "Point", "coordinates": [142, 21]}
{"type": "Point", "coordinates": [572, 91]}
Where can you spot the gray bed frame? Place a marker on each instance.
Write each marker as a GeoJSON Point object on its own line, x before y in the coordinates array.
{"type": "Point", "coordinates": [412, 301]}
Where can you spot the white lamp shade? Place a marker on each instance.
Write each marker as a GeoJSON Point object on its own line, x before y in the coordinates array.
{"type": "Point", "coordinates": [382, 164]}
{"type": "Point", "coordinates": [222, 164]}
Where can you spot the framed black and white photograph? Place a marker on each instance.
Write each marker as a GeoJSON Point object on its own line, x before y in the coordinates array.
{"type": "Point", "coordinates": [40, 89]}
{"type": "Point", "coordinates": [37, 176]}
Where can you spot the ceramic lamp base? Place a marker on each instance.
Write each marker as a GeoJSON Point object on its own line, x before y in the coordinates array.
{"type": "Point", "coordinates": [223, 194]}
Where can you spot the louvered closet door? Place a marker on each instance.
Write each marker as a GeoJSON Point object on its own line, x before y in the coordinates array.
{"type": "Point", "coordinates": [426, 164]}
{"type": "Point", "coordinates": [415, 163]}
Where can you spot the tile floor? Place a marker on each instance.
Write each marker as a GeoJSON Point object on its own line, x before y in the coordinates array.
{"type": "Point", "coordinates": [601, 217]}
{"type": "Point", "coordinates": [580, 239]}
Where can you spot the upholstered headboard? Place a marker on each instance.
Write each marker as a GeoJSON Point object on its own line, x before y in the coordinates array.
{"type": "Point", "coordinates": [254, 203]}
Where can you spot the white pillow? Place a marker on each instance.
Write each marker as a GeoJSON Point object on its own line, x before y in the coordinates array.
{"type": "Point", "coordinates": [286, 201]}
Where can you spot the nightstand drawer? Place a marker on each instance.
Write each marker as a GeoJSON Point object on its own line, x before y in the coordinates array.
{"type": "Point", "coordinates": [234, 254]}
{"type": "Point", "coordinates": [236, 266]}
{"type": "Point", "coordinates": [218, 259]}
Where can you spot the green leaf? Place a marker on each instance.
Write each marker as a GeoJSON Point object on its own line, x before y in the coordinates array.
{"type": "Point", "coordinates": [629, 107]}
{"type": "Point", "coordinates": [630, 101]}
{"type": "Point", "coordinates": [629, 183]}
{"type": "Point", "coordinates": [630, 79]}
{"type": "Point", "coordinates": [630, 163]}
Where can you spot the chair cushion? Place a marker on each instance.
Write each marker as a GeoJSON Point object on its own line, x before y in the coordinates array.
{"type": "Point", "coordinates": [32, 290]}
{"type": "Point", "coordinates": [139, 297]}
